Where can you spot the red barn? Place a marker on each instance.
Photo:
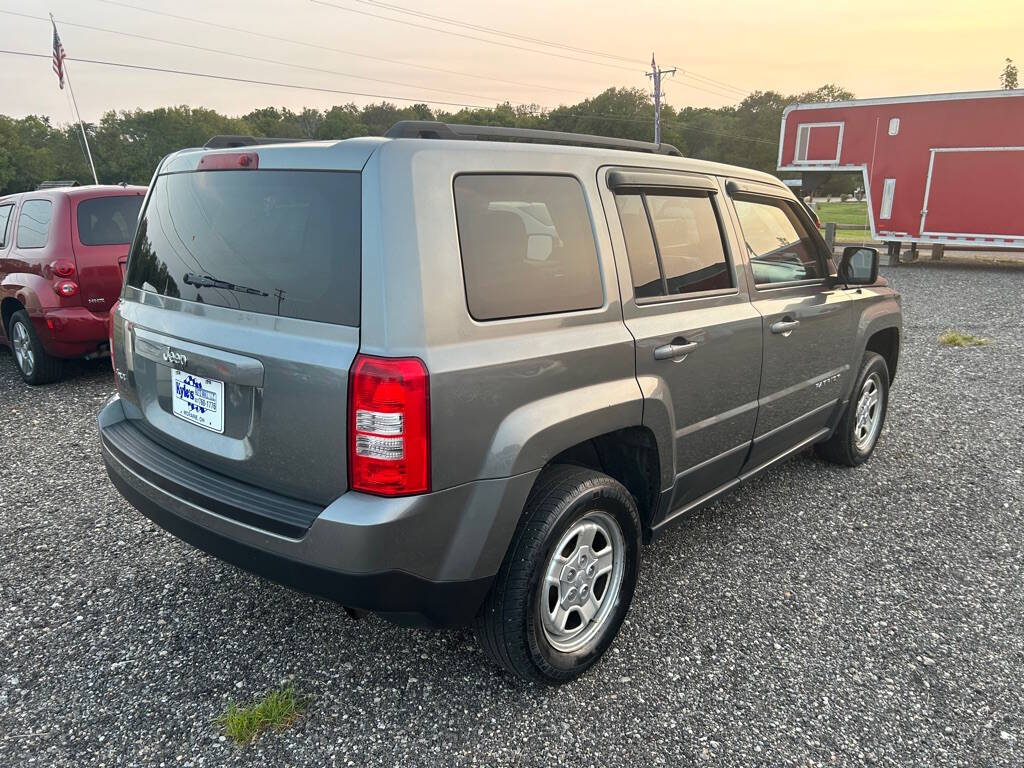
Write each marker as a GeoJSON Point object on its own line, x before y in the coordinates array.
{"type": "Point", "coordinates": [946, 168]}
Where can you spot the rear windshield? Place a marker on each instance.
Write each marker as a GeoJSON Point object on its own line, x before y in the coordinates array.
{"type": "Point", "coordinates": [108, 220]}
{"type": "Point", "coordinates": [276, 242]}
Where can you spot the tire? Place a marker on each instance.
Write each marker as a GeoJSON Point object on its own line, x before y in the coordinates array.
{"type": "Point", "coordinates": [31, 360]}
{"type": "Point", "coordinates": [855, 437]}
{"type": "Point", "coordinates": [525, 627]}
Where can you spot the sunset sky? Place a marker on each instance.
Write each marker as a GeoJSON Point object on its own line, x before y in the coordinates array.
{"type": "Point", "coordinates": [723, 49]}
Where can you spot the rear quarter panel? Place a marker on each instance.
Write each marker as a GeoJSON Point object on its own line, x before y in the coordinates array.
{"type": "Point", "coordinates": [506, 395]}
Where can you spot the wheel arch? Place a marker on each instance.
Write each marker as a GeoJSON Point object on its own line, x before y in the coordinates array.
{"type": "Point", "coordinates": [629, 455]}
{"type": "Point", "coordinates": [886, 342]}
{"type": "Point", "coordinates": [8, 306]}
{"type": "Point", "coordinates": [34, 293]}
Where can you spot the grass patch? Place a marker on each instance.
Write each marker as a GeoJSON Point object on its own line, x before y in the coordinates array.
{"type": "Point", "coordinates": [277, 710]}
{"type": "Point", "coordinates": [852, 215]}
{"type": "Point", "coordinates": [958, 339]}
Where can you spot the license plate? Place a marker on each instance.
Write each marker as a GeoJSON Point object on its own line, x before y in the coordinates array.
{"type": "Point", "coordinates": [198, 400]}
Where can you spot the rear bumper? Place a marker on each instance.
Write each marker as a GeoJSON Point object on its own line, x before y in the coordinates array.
{"type": "Point", "coordinates": [424, 560]}
{"type": "Point", "coordinates": [71, 331]}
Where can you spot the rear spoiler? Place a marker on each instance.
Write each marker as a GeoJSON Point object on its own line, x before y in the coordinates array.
{"type": "Point", "coordinates": [227, 142]}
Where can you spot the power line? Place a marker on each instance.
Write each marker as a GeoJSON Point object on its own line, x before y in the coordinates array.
{"type": "Point", "coordinates": [470, 37]}
{"type": "Point", "coordinates": [712, 81]}
{"type": "Point", "coordinates": [211, 76]}
{"type": "Point", "coordinates": [537, 41]}
{"type": "Point", "coordinates": [704, 89]}
{"type": "Point", "coordinates": [527, 38]}
{"type": "Point", "coordinates": [208, 75]}
{"type": "Point", "coordinates": [725, 134]}
{"type": "Point", "coordinates": [246, 56]}
{"type": "Point", "coordinates": [493, 31]}
{"type": "Point", "coordinates": [315, 46]}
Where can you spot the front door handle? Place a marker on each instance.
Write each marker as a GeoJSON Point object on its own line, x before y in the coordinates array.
{"type": "Point", "coordinates": [785, 327]}
{"type": "Point", "coordinates": [672, 351]}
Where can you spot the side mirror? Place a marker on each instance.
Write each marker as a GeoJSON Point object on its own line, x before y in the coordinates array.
{"type": "Point", "coordinates": [859, 265]}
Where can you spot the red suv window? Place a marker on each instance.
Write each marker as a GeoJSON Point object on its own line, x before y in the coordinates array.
{"type": "Point", "coordinates": [108, 220]}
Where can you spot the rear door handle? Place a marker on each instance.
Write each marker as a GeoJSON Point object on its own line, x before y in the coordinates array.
{"type": "Point", "coordinates": [672, 351]}
{"type": "Point", "coordinates": [785, 327]}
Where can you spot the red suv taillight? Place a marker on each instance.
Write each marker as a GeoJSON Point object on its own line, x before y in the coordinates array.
{"type": "Point", "coordinates": [65, 288]}
{"type": "Point", "coordinates": [389, 426]}
{"type": "Point", "coordinates": [63, 268]}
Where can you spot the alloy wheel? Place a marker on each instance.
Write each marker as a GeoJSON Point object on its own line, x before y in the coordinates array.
{"type": "Point", "coordinates": [22, 344]}
{"type": "Point", "coordinates": [581, 581]}
{"type": "Point", "coordinates": [868, 413]}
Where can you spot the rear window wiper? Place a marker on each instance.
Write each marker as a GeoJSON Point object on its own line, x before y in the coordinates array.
{"type": "Point", "coordinates": [205, 281]}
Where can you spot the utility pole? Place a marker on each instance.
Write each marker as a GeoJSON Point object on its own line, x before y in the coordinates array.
{"type": "Point", "coordinates": [656, 75]}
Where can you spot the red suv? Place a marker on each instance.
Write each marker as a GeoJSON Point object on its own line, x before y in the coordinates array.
{"type": "Point", "coordinates": [62, 257]}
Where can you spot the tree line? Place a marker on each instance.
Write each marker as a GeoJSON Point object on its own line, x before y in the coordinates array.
{"type": "Point", "coordinates": [127, 145]}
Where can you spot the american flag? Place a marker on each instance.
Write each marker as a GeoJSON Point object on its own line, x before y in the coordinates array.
{"type": "Point", "coordinates": [58, 57]}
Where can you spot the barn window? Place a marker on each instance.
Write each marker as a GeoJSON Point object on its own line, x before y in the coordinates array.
{"type": "Point", "coordinates": [894, 126]}
{"type": "Point", "coordinates": [818, 143]}
{"type": "Point", "coordinates": [888, 191]}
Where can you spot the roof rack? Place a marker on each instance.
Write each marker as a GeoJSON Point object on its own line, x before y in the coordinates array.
{"type": "Point", "coordinates": [227, 142]}
{"type": "Point", "coordinates": [57, 184]}
{"type": "Point", "coordinates": [428, 129]}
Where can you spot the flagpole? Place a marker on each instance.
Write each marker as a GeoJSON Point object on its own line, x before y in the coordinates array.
{"type": "Point", "coordinates": [81, 125]}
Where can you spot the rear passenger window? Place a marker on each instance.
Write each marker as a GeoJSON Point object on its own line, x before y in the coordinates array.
{"type": "Point", "coordinates": [780, 246]}
{"type": "Point", "coordinates": [5, 223]}
{"type": "Point", "coordinates": [527, 245]}
{"type": "Point", "coordinates": [684, 255]}
{"type": "Point", "coordinates": [34, 223]}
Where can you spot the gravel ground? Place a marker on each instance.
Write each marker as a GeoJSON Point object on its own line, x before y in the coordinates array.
{"type": "Point", "coordinates": [816, 616]}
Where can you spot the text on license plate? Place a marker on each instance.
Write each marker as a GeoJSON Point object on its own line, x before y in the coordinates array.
{"type": "Point", "coordinates": [198, 400]}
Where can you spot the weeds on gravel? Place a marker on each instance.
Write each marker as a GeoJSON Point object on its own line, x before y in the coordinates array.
{"type": "Point", "coordinates": [277, 710]}
{"type": "Point", "coordinates": [958, 339]}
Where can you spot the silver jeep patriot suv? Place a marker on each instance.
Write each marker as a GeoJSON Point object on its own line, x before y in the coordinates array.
{"type": "Point", "coordinates": [461, 374]}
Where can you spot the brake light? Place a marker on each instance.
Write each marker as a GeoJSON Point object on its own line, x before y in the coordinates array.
{"type": "Point", "coordinates": [62, 268]}
{"type": "Point", "coordinates": [65, 288]}
{"type": "Point", "coordinates": [230, 161]}
{"type": "Point", "coordinates": [389, 426]}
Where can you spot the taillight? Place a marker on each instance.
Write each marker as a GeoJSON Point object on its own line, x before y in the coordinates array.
{"type": "Point", "coordinates": [66, 288]}
{"type": "Point", "coordinates": [389, 426]}
{"type": "Point", "coordinates": [63, 268]}
{"type": "Point", "coordinates": [230, 161]}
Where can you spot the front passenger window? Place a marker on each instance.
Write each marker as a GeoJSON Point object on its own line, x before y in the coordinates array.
{"type": "Point", "coordinates": [781, 248]}
{"type": "Point", "coordinates": [673, 243]}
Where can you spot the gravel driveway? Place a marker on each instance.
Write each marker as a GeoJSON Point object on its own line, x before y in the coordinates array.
{"type": "Point", "coordinates": [817, 616]}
